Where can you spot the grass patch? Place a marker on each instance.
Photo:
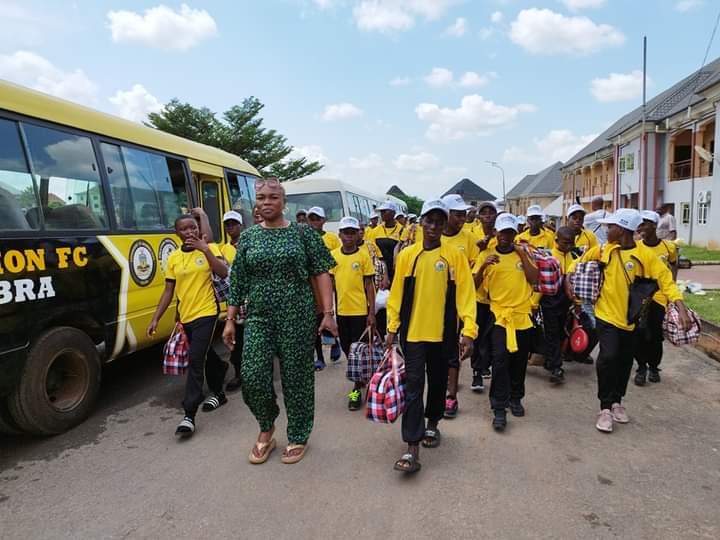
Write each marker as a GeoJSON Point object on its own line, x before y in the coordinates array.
{"type": "Point", "coordinates": [707, 307]}
{"type": "Point", "coordinates": [699, 254]}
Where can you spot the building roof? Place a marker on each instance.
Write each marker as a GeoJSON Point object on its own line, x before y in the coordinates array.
{"type": "Point", "coordinates": [666, 104]}
{"type": "Point", "coordinates": [470, 191]}
{"type": "Point", "coordinates": [396, 191]}
{"type": "Point", "coordinates": [547, 181]}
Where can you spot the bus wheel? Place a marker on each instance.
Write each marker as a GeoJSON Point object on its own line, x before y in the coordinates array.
{"type": "Point", "coordinates": [59, 384]}
{"type": "Point", "coordinates": [7, 424]}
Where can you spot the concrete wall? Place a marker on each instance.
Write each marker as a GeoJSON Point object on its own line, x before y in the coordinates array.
{"type": "Point", "coordinates": [630, 180]}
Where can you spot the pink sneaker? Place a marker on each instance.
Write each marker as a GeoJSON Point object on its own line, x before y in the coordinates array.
{"type": "Point", "coordinates": [619, 414]}
{"type": "Point", "coordinates": [605, 421]}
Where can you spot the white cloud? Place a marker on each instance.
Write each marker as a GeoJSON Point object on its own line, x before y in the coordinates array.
{"type": "Point", "coordinates": [458, 29]}
{"type": "Point", "coordinates": [542, 31]}
{"type": "Point", "coordinates": [486, 33]}
{"type": "Point", "coordinates": [618, 86]}
{"type": "Point", "coordinates": [496, 17]}
{"type": "Point", "coordinates": [416, 162]}
{"type": "Point", "coordinates": [470, 79]}
{"type": "Point", "coordinates": [688, 5]}
{"type": "Point", "coordinates": [400, 81]}
{"type": "Point", "coordinates": [556, 145]}
{"type": "Point", "coordinates": [341, 111]}
{"type": "Point", "coordinates": [397, 15]}
{"type": "Point", "coordinates": [575, 5]}
{"type": "Point", "coordinates": [324, 4]}
{"type": "Point", "coordinates": [312, 152]}
{"type": "Point", "coordinates": [475, 116]}
{"type": "Point", "coordinates": [35, 71]}
{"type": "Point", "coordinates": [439, 77]}
{"type": "Point", "coordinates": [135, 104]}
{"type": "Point", "coordinates": [162, 27]}
{"type": "Point", "coordinates": [371, 161]}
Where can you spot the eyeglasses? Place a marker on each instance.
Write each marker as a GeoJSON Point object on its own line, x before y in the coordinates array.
{"type": "Point", "coordinates": [270, 181]}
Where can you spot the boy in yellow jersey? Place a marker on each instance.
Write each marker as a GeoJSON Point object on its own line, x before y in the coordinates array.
{"type": "Point", "coordinates": [623, 260]}
{"type": "Point", "coordinates": [584, 239]}
{"type": "Point", "coordinates": [470, 219]}
{"type": "Point", "coordinates": [432, 289]}
{"type": "Point", "coordinates": [649, 339]}
{"type": "Point", "coordinates": [522, 224]}
{"type": "Point", "coordinates": [456, 237]}
{"type": "Point", "coordinates": [188, 274]}
{"type": "Point", "coordinates": [555, 308]}
{"type": "Point", "coordinates": [233, 227]}
{"type": "Point", "coordinates": [387, 235]}
{"type": "Point", "coordinates": [485, 233]}
{"type": "Point", "coordinates": [508, 275]}
{"type": "Point", "coordinates": [536, 235]}
{"type": "Point", "coordinates": [354, 293]}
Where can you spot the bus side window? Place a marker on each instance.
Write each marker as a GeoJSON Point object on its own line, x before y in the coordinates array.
{"type": "Point", "coordinates": [19, 208]}
{"type": "Point", "coordinates": [70, 189]}
{"type": "Point", "coordinates": [242, 195]}
{"type": "Point", "coordinates": [211, 205]}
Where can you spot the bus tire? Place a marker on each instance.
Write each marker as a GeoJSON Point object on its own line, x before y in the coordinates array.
{"type": "Point", "coordinates": [59, 384]}
{"type": "Point", "coordinates": [7, 424]}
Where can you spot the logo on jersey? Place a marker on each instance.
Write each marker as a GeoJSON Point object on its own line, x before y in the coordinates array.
{"type": "Point", "coordinates": [142, 263]}
{"type": "Point", "coordinates": [200, 261]}
{"type": "Point", "coordinates": [167, 246]}
{"type": "Point", "coordinates": [356, 266]}
{"type": "Point", "coordinates": [629, 266]}
{"type": "Point", "coordinates": [440, 266]}
{"type": "Point", "coordinates": [519, 265]}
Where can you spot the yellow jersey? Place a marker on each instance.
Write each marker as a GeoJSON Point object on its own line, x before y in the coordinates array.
{"type": "Point", "coordinates": [331, 240]}
{"type": "Point", "coordinates": [543, 240]}
{"type": "Point", "coordinates": [586, 240]}
{"type": "Point", "coordinates": [192, 275]}
{"type": "Point", "coordinates": [464, 242]}
{"type": "Point", "coordinates": [349, 274]}
{"type": "Point", "coordinates": [481, 294]}
{"type": "Point", "coordinates": [667, 253]}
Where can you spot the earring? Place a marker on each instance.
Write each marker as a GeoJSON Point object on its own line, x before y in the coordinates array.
{"type": "Point", "coordinates": [285, 210]}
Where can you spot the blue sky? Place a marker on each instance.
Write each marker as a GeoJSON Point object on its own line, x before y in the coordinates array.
{"type": "Point", "coordinates": [417, 93]}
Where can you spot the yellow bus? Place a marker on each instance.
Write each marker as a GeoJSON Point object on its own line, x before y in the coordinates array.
{"type": "Point", "coordinates": [87, 209]}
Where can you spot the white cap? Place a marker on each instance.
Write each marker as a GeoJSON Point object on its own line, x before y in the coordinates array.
{"type": "Point", "coordinates": [522, 220]}
{"type": "Point", "coordinates": [575, 208]}
{"type": "Point", "coordinates": [534, 210]}
{"type": "Point", "coordinates": [506, 221]}
{"type": "Point", "coordinates": [412, 216]}
{"type": "Point", "coordinates": [455, 203]}
{"type": "Point", "coordinates": [627, 218]}
{"type": "Point", "coordinates": [436, 204]}
{"type": "Point", "coordinates": [301, 211]}
{"type": "Point", "coordinates": [400, 213]}
{"type": "Point", "coordinates": [317, 211]}
{"type": "Point", "coordinates": [650, 216]}
{"type": "Point", "coordinates": [232, 214]}
{"type": "Point", "coordinates": [489, 204]}
{"type": "Point", "coordinates": [387, 205]}
{"type": "Point", "coordinates": [349, 222]}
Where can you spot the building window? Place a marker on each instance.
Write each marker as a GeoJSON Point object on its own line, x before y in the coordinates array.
{"type": "Point", "coordinates": [685, 213]}
{"type": "Point", "coordinates": [703, 209]}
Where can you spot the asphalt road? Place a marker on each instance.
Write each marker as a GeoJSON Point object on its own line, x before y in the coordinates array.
{"type": "Point", "coordinates": [550, 475]}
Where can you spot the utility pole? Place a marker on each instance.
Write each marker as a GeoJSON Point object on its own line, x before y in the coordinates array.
{"type": "Point", "coordinates": [497, 166]}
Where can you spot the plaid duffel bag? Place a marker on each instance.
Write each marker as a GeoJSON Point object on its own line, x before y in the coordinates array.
{"type": "Point", "coordinates": [176, 353]}
{"type": "Point", "coordinates": [365, 357]}
{"type": "Point", "coordinates": [673, 331]}
{"type": "Point", "coordinates": [386, 391]}
{"type": "Point", "coordinates": [586, 281]}
{"type": "Point", "coordinates": [550, 276]}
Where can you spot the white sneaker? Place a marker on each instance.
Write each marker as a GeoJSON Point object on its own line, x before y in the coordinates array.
{"type": "Point", "coordinates": [619, 414]}
{"type": "Point", "coordinates": [605, 421]}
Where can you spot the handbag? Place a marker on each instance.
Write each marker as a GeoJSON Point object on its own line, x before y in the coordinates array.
{"type": "Point", "coordinates": [365, 357]}
{"type": "Point", "coordinates": [673, 331]}
{"type": "Point", "coordinates": [549, 273]}
{"type": "Point", "coordinates": [221, 285]}
{"type": "Point", "coordinates": [176, 353]}
{"type": "Point", "coordinates": [586, 281]}
{"type": "Point", "coordinates": [642, 290]}
{"type": "Point", "coordinates": [386, 391]}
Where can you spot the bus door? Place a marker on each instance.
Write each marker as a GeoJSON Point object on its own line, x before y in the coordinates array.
{"type": "Point", "coordinates": [211, 195]}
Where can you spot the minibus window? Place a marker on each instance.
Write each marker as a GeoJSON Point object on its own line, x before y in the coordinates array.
{"type": "Point", "coordinates": [330, 201]}
{"type": "Point", "coordinates": [19, 208]}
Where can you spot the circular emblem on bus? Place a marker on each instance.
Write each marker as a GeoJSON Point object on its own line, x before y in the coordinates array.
{"type": "Point", "coordinates": [167, 246]}
{"type": "Point", "coordinates": [142, 263]}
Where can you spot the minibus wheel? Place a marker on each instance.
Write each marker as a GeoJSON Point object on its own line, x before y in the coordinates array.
{"type": "Point", "coordinates": [7, 424]}
{"type": "Point", "coordinates": [59, 384]}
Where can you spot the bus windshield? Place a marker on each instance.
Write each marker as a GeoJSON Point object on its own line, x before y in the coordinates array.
{"type": "Point", "coordinates": [330, 201]}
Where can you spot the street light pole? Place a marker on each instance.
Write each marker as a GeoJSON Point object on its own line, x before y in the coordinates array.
{"type": "Point", "coordinates": [497, 166]}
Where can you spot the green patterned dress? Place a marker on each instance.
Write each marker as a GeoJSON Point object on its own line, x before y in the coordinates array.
{"type": "Point", "coordinates": [272, 270]}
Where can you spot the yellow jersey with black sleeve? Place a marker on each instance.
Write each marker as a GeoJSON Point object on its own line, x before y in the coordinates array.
{"type": "Point", "coordinates": [465, 243]}
{"type": "Point", "coordinates": [192, 275]}
{"type": "Point", "coordinates": [667, 253]}
{"type": "Point", "coordinates": [433, 269]}
{"type": "Point", "coordinates": [481, 294]}
{"type": "Point", "coordinates": [331, 240]}
{"type": "Point", "coordinates": [397, 232]}
{"type": "Point", "coordinates": [567, 260]}
{"type": "Point", "coordinates": [586, 240]}
{"type": "Point", "coordinates": [543, 240]}
{"type": "Point", "coordinates": [349, 274]}
{"type": "Point", "coordinates": [510, 294]}
{"type": "Point", "coordinates": [638, 261]}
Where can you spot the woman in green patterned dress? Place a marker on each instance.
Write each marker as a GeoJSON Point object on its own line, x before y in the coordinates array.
{"type": "Point", "coordinates": [280, 268]}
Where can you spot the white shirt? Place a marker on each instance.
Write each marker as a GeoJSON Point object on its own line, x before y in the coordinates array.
{"type": "Point", "coordinates": [591, 223]}
{"type": "Point", "coordinates": [666, 225]}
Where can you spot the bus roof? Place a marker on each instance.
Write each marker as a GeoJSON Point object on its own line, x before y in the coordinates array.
{"type": "Point", "coordinates": [21, 100]}
{"type": "Point", "coordinates": [313, 184]}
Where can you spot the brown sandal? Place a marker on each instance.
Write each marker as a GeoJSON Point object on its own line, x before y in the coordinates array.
{"type": "Point", "coordinates": [290, 459]}
{"type": "Point", "coordinates": [264, 449]}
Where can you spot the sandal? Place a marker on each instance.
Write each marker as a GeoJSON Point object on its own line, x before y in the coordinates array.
{"type": "Point", "coordinates": [431, 439]}
{"type": "Point", "coordinates": [289, 459]}
{"type": "Point", "coordinates": [407, 463]}
{"type": "Point", "coordinates": [264, 449]}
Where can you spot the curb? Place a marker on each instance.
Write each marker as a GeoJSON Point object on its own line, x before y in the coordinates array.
{"type": "Point", "coordinates": [709, 340]}
{"type": "Point", "coordinates": [705, 263]}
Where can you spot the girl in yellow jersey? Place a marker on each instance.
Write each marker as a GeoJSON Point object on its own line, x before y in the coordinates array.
{"type": "Point", "coordinates": [536, 235]}
{"type": "Point", "coordinates": [432, 289]}
{"type": "Point", "coordinates": [623, 260]}
{"type": "Point", "coordinates": [508, 276]}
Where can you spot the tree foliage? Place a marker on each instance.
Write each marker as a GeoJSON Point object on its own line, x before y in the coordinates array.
{"type": "Point", "coordinates": [414, 204]}
{"type": "Point", "coordinates": [240, 131]}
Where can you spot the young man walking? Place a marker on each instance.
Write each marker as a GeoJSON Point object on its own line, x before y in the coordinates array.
{"type": "Point", "coordinates": [584, 239]}
{"type": "Point", "coordinates": [536, 235]}
{"type": "Point", "coordinates": [233, 227]}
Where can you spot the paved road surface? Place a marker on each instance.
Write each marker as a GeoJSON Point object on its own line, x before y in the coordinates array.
{"type": "Point", "coordinates": [551, 475]}
{"type": "Point", "coordinates": [707, 275]}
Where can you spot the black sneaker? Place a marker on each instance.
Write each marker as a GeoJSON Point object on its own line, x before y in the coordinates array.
{"type": "Point", "coordinates": [355, 400]}
{"type": "Point", "coordinates": [185, 428]}
{"type": "Point", "coordinates": [499, 419]}
{"type": "Point", "coordinates": [640, 378]}
{"type": "Point", "coordinates": [516, 407]}
{"type": "Point", "coordinates": [213, 401]}
{"type": "Point", "coordinates": [486, 373]}
{"type": "Point", "coordinates": [477, 383]}
{"type": "Point", "coordinates": [584, 359]}
{"type": "Point", "coordinates": [557, 376]}
{"type": "Point", "coordinates": [654, 375]}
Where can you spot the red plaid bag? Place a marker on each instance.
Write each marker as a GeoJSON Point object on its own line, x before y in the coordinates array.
{"type": "Point", "coordinates": [176, 353]}
{"type": "Point", "coordinates": [673, 331]}
{"type": "Point", "coordinates": [386, 391]}
{"type": "Point", "coordinates": [550, 276]}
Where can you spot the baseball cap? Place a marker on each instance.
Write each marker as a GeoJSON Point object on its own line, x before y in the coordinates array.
{"type": "Point", "coordinates": [387, 205]}
{"type": "Point", "coordinates": [627, 218]}
{"type": "Point", "coordinates": [534, 210]}
{"type": "Point", "coordinates": [317, 211]}
{"type": "Point", "coordinates": [575, 208]}
{"type": "Point", "coordinates": [522, 220]}
{"type": "Point", "coordinates": [506, 221]}
{"type": "Point", "coordinates": [301, 211]}
{"type": "Point", "coordinates": [650, 215]}
{"type": "Point", "coordinates": [455, 202]}
{"type": "Point", "coordinates": [412, 216]}
{"type": "Point", "coordinates": [349, 222]}
{"type": "Point", "coordinates": [489, 204]}
{"type": "Point", "coordinates": [436, 204]}
{"type": "Point", "coordinates": [232, 214]}
{"type": "Point", "coordinates": [400, 213]}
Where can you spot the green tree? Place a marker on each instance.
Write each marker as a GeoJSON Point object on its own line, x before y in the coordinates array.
{"type": "Point", "coordinates": [240, 131]}
{"type": "Point", "coordinates": [414, 204]}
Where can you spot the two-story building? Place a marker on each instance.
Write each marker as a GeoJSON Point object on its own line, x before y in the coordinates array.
{"type": "Point", "coordinates": [540, 188]}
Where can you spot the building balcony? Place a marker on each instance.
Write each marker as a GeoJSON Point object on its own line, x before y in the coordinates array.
{"type": "Point", "coordinates": [681, 170]}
